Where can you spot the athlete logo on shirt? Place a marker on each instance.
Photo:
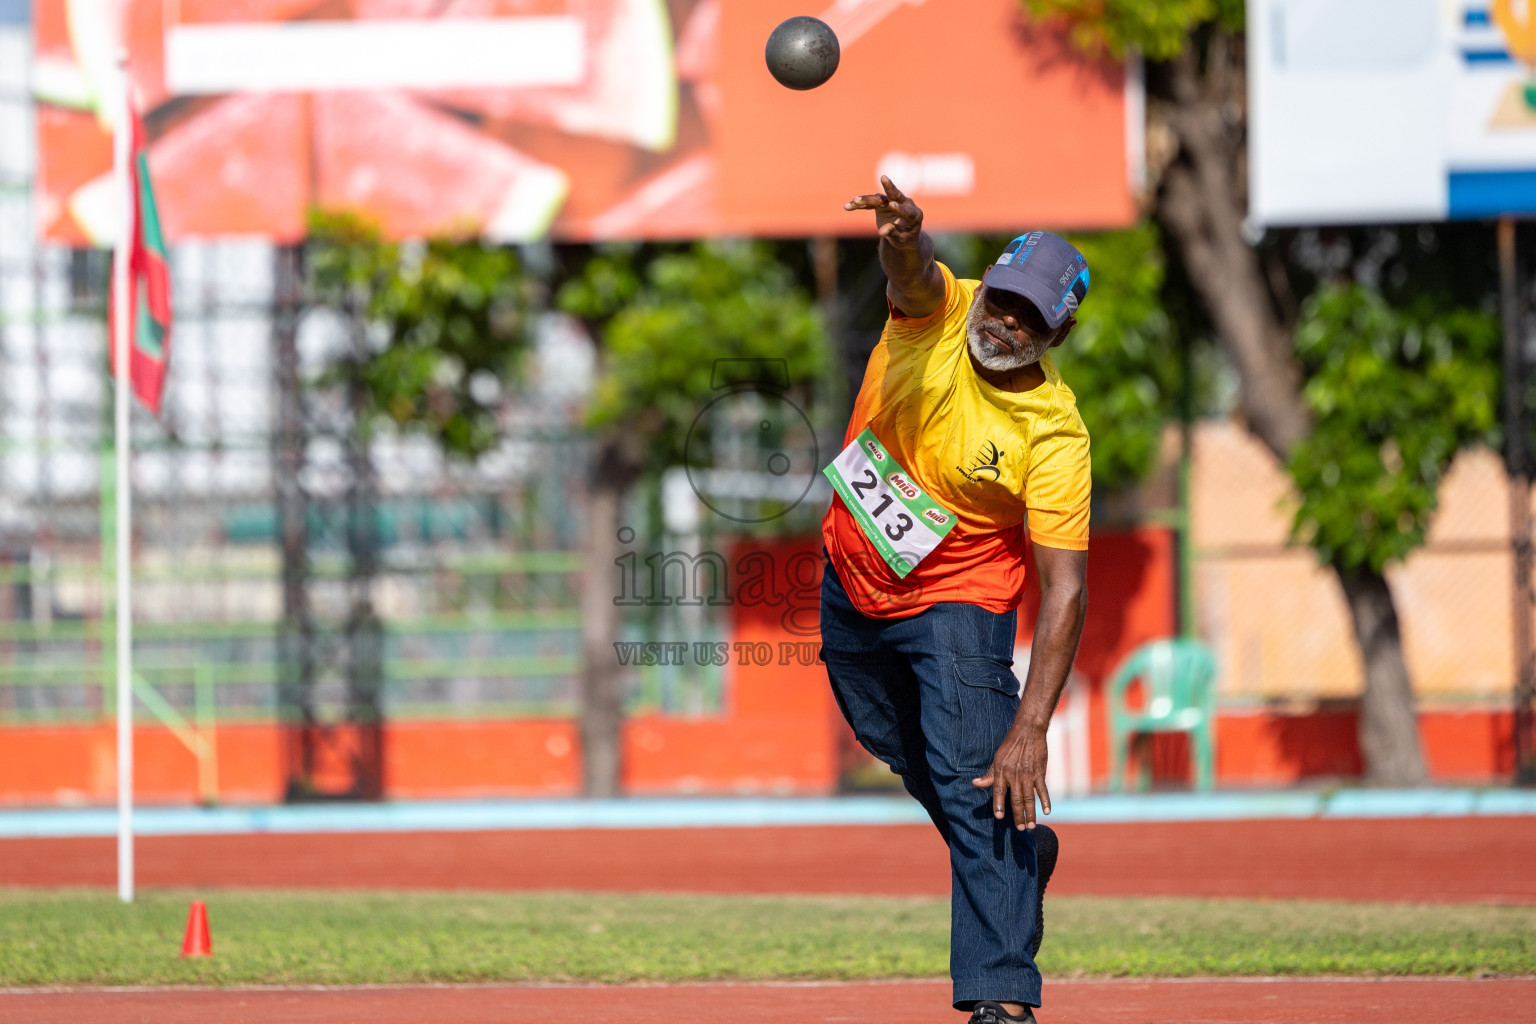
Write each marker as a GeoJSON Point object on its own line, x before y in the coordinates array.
{"type": "Point", "coordinates": [984, 464]}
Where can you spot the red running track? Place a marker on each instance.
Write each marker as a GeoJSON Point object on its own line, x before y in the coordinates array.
{"type": "Point", "coordinates": [1423, 859]}
{"type": "Point", "coordinates": [1274, 1001]}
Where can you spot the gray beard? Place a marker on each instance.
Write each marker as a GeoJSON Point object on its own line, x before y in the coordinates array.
{"type": "Point", "coordinates": [987, 354]}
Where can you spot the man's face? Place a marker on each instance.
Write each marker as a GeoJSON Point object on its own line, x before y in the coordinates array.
{"type": "Point", "coordinates": [1006, 332]}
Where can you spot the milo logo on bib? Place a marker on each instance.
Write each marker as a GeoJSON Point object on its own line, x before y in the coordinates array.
{"type": "Point", "coordinates": [904, 487]}
{"type": "Point", "coordinates": [902, 522]}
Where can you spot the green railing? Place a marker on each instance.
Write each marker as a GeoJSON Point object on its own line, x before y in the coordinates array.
{"type": "Point", "coordinates": [505, 642]}
{"type": "Point", "coordinates": [188, 691]}
{"type": "Point", "coordinates": [78, 656]}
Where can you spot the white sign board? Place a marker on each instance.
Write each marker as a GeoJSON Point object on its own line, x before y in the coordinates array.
{"type": "Point", "coordinates": [1391, 110]}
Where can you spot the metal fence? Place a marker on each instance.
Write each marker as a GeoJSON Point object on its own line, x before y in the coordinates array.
{"type": "Point", "coordinates": [477, 565]}
{"type": "Point", "coordinates": [1279, 622]}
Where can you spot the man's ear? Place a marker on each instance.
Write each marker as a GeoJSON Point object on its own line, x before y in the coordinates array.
{"type": "Point", "coordinates": [1064, 330]}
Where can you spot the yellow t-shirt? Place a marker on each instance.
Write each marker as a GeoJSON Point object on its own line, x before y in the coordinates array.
{"type": "Point", "coordinates": [999, 460]}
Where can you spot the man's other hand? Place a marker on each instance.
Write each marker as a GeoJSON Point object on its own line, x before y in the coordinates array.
{"type": "Point", "coordinates": [1017, 774]}
{"type": "Point", "coordinates": [897, 218]}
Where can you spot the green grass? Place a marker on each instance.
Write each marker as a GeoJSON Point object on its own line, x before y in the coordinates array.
{"type": "Point", "coordinates": [87, 938]}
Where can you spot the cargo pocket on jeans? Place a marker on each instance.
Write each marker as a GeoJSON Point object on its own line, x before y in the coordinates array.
{"type": "Point", "coordinates": [988, 701]}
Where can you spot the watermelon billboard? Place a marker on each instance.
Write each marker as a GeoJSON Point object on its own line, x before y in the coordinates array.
{"type": "Point", "coordinates": [574, 119]}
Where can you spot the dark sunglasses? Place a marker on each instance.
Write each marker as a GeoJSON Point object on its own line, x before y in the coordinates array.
{"type": "Point", "coordinates": [1017, 306]}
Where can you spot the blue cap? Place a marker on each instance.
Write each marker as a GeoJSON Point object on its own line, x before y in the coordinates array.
{"type": "Point", "coordinates": [1047, 270]}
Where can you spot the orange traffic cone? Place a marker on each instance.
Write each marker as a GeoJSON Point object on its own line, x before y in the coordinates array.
{"type": "Point", "coordinates": [197, 941]}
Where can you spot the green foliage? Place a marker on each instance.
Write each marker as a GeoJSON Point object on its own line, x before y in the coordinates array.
{"type": "Point", "coordinates": [347, 259]}
{"type": "Point", "coordinates": [607, 282]}
{"type": "Point", "coordinates": [1394, 394]}
{"type": "Point", "coordinates": [1156, 28]}
{"type": "Point", "coordinates": [1122, 360]}
{"type": "Point", "coordinates": [451, 320]}
{"type": "Point", "coordinates": [664, 327]}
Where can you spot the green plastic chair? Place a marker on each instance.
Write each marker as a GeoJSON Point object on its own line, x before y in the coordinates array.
{"type": "Point", "coordinates": [1178, 678]}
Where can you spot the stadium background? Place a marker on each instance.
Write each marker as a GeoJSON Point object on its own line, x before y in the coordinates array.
{"type": "Point", "coordinates": [479, 567]}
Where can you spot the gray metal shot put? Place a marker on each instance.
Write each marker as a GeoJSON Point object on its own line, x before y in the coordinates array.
{"type": "Point", "coordinates": [802, 53]}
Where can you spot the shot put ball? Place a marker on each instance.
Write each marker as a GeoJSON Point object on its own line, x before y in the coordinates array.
{"type": "Point", "coordinates": [802, 53]}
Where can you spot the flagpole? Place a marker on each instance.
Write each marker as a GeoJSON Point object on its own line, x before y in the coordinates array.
{"type": "Point", "coordinates": [121, 154]}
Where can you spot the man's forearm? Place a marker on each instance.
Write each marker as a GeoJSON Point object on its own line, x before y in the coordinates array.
{"type": "Point", "coordinates": [1058, 628]}
{"type": "Point", "coordinates": [914, 284]}
{"type": "Point", "coordinates": [907, 266]}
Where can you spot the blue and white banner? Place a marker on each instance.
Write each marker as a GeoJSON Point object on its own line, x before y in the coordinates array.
{"type": "Point", "coordinates": [1391, 110]}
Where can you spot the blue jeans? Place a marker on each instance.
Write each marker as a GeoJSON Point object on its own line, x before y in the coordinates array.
{"type": "Point", "coordinates": [932, 695]}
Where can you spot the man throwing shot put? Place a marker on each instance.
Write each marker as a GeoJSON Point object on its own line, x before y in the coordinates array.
{"type": "Point", "coordinates": [964, 437]}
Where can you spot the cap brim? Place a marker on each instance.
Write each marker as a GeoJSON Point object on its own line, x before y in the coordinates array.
{"type": "Point", "coordinates": [1010, 279]}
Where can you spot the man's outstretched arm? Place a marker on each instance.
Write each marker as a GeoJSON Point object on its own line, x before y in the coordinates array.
{"type": "Point", "coordinates": [1018, 768]}
{"type": "Point", "coordinates": [913, 282]}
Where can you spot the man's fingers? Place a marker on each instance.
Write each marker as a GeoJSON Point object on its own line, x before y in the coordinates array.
{"type": "Point", "coordinates": [898, 199]}
{"type": "Point", "coordinates": [1023, 805]}
{"type": "Point", "coordinates": [1017, 795]}
{"type": "Point", "coordinates": [871, 202]}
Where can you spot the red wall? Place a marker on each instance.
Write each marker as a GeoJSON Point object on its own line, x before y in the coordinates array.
{"type": "Point", "coordinates": [1272, 748]}
{"type": "Point", "coordinates": [780, 732]}
{"type": "Point", "coordinates": [1132, 598]}
{"type": "Point", "coordinates": [767, 754]}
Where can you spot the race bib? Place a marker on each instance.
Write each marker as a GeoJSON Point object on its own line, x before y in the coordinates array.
{"type": "Point", "coordinates": [897, 516]}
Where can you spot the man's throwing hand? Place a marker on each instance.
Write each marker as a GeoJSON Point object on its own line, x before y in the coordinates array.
{"type": "Point", "coordinates": [897, 218]}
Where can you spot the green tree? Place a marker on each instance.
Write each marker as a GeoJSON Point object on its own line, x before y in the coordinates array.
{"type": "Point", "coordinates": [663, 318]}
{"type": "Point", "coordinates": [1131, 366]}
{"type": "Point", "coordinates": [1160, 30]}
{"type": "Point", "coordinates": [1394, 395]}
{"type": "Point", "coordinates": [443, 327]}
{"type": "Point", "coordinates": [1362, 473]}
{"type": "Point", "coordinates": [662, 337]}
{"type": "Point", "coordinates": [440, 330]}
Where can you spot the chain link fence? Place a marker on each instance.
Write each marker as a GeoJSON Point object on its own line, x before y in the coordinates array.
{"type": "Point", "coordinates": [1279, 623]}
{"type": "Point", "coordinates": [478, 567]}
{"type": "Point", "coordinates": [477, 563]}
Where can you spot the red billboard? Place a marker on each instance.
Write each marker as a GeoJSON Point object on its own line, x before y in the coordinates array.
{"type": "Point", "coordinates": [577, 119]}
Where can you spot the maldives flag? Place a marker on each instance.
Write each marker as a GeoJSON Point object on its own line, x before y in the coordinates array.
{"type": "Point", "coordinates": [149, 284]}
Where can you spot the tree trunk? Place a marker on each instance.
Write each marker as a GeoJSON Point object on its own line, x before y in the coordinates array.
{"type": "Point", "coordinates": [1201, 200]}
{"type": "Point", "coordinates": [602, 701]}
{"type": "Point", "coordinates": [1389, 723]}
{"type": "Point", "coordinates": [1201, 203]}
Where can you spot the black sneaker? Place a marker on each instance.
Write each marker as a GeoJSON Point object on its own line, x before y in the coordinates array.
{"type": "Point", "coordinates": [1046, 848]}
{"type": "Point", "coordinates": [988, 1012]}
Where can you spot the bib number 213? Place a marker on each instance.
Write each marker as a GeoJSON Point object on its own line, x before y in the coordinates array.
{"type": "Point", "coordinates": [902, 522]}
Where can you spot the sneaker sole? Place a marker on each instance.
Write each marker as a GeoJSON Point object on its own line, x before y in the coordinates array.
{"type": "Point", "coordinates": [1046, 848]}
